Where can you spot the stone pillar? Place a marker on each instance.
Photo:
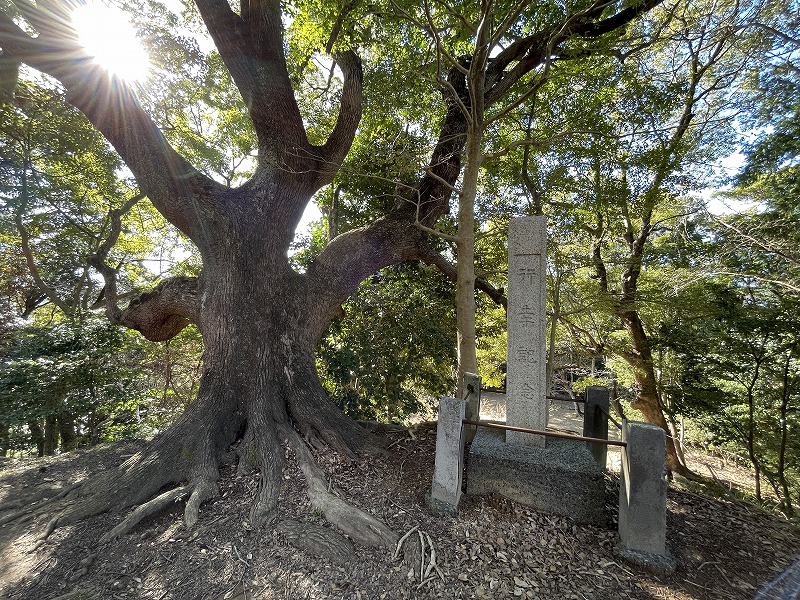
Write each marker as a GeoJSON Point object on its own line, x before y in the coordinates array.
{"type": "Point", "coordinates": [643, 497]}
{"type": "Point", "coordinates": [595, 421]}
{"type": "Point", "coordinates": [449, 467]}
{"type": "Point", "coordinates": [472, 396]}
{"type": "Point", "coordinates": [526, 387]}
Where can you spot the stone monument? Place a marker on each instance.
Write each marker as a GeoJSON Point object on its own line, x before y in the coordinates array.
{"type": "Point", "coordinates": [643, 497]}
{"type": "Point", "coordinates": [526, 385]}
{"type": "Point", "coordinates": [560, 476]}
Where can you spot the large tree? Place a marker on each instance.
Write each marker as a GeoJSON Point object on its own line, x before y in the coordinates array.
{"type": "Point", "coordinates": [260, 320]}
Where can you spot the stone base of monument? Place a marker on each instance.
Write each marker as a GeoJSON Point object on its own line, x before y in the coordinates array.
{"type": "Point", "coordinates": [560, 478]}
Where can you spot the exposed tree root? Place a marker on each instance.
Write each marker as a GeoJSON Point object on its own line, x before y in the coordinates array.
{"type": "Point", "coordinates": [49, 528]}
{"type": "Point", "coordinates": [203, 478]}
{"type": "Point", "coordinates": [317, 540]}
{"type": "Point", "coordinates": [144, 510]}
{"type": "Point", "coordinates": [204, 489]}
{"type": "Point", "coordinates": [322, 423]}
{"type": "Point", "coordinates": [360, 526]}
{"type": "Point", "coordinates": [247, 457]}
{"type": "Point", "coordinates": [187, 465]}
{"type": "Point", "coordinates": [28, 503]}
{"type": "Point", "coordinates": [419, 556]}
{"type": "Point", "coordinates": [17, 515]}
{"type": "Point", "coordinates": [12, 504]}
{"type": "Point", "coordinates": [262, 428]}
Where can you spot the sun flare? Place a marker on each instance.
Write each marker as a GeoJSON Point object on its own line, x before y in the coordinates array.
{"type": "Point", "coordinates": [108, 36]}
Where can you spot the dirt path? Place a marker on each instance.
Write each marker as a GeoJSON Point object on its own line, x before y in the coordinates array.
{"type": "Point", "coordinates": [492, 549]}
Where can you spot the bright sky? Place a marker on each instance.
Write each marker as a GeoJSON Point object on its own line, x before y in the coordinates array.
{"type": "Point", "coordinates": [728, 166]}
{"type": "Point", "coordinates": [108, 36]}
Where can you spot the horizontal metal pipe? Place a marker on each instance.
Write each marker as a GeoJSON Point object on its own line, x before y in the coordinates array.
{"type": "Point", "coordinates": [563, 436]}
{"type": "Point", "coordinates": [578, 399]}
{"type": "Point", "coordinates": [610, 418]}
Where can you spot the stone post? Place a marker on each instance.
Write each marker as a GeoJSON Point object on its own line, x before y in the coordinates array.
{"type": "Point", "coordinates": [472, 396]}
{"type": "Point", "coordinates": [643, 497]}
{"type": "Point", "coordinates": [449, 467]}
{"type": "Point", "coordinates": [526, 388]}
{"type": "Point", "coordinates": [595, 421]}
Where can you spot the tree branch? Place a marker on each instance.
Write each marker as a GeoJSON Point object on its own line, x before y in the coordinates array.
{"type": "Point", "coordinates": [251, 46]}
{"type": "Point", "coordinates": [401, 235]}
{"type": "Point", "coordinates": [338, 145]}
{"type": "Point", "coordinates": [27, 251]}
{"type": "Point", "coordinates": [98, 260]}
{"type": "Point", "coordinates": [532, 51]}
{"type": "Point", "coordinates": [163, 312]}
{"type": "Point", "coordinates": [169, 180]}
{"type": "Point", "coordinates": [229, 32]}
{"type": "Point", "coordinates": [449, 271]}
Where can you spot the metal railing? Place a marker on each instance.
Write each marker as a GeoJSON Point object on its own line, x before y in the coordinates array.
{"type": "Point", "coordinates": [554, 434]}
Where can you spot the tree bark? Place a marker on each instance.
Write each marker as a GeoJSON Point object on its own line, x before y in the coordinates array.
{"type": "Point", "coordinates": [4, 439]}
{"type": "Point", "coordinates": [37, 436]}
{"type": "Point", "coordinates": [50, 441]}
{"type": "Point", "coordinates": [751, 421]}
{"type": "Point", "coordinates": [648, 400]}
{"type": "Point", "coordinates": [786, 394]}
{"type": "Point", "coordinates": [66, 431]}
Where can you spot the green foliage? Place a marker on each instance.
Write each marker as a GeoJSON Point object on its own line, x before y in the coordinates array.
{"type": "Point", "coordinates": [740, 376]}
{"type": "Point", "coordinates": [394, 349]}
{"type": "Point", "coordinates": [88, 369]}
{"type": "Point", "coordinates": [173, 369]}
{"type": "Point", "coordinates": [775, 91]}
{"type": "Point", "coordinates": [105, 382]}
{"type": "Point", "coordinates": [579, 386]}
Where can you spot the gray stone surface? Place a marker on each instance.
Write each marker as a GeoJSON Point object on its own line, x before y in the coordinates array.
{"type": "Point", "coordinates": [560, 478]}
{"type": "Point", "coordinates": [449, 468]}
{"type": "Point", "coordinates": [595, 421]}
{"type": "Point", "coordinates": [643, 493]}
{"type": "Point", "coordinates": [527, 322]}
{"type": "Point", "coordinates": [661, 564]}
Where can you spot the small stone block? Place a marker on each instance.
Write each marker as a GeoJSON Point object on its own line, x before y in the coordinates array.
{"type": "Point", "coordinates": [595, 421]}
{"type": "Point", "coordinates": [472, 396]}
{"type": "Point", "coordinates": [660, 564]}
{"type": "Point", "coordinates": [643, 493]}
{"type": "Point", "coordinates": [449, 467]}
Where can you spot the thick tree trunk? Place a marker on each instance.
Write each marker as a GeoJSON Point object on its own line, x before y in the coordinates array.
{"type": "Point", "coordinates": [786, 495]}
{"type": "Point", "coordinates": [50, 442]}
{"type": "Point", "coordinates": [4, 439]}
{"type": "Point", "coordinates": [66, 431]}
{"type": "Point", "coordinates": [260, 323]}
{"type": "Point", "coordinates": [37, 436]}
{"type": "Point", "coordinates": [751, 434]}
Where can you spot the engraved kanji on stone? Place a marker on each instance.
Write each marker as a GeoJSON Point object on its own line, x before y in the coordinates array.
{"type": "Point", "coordinates": [526, 355]}
{"type": "Point", "coordinates": [528, 275]}
{"type": "Point", "coordinates": [527, 258]}
{"type": "Point", "coordinates": [529, 391]}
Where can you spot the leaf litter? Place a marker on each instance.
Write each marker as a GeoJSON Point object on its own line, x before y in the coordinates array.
{"type": "Point", "coordinates": [494, 548]}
